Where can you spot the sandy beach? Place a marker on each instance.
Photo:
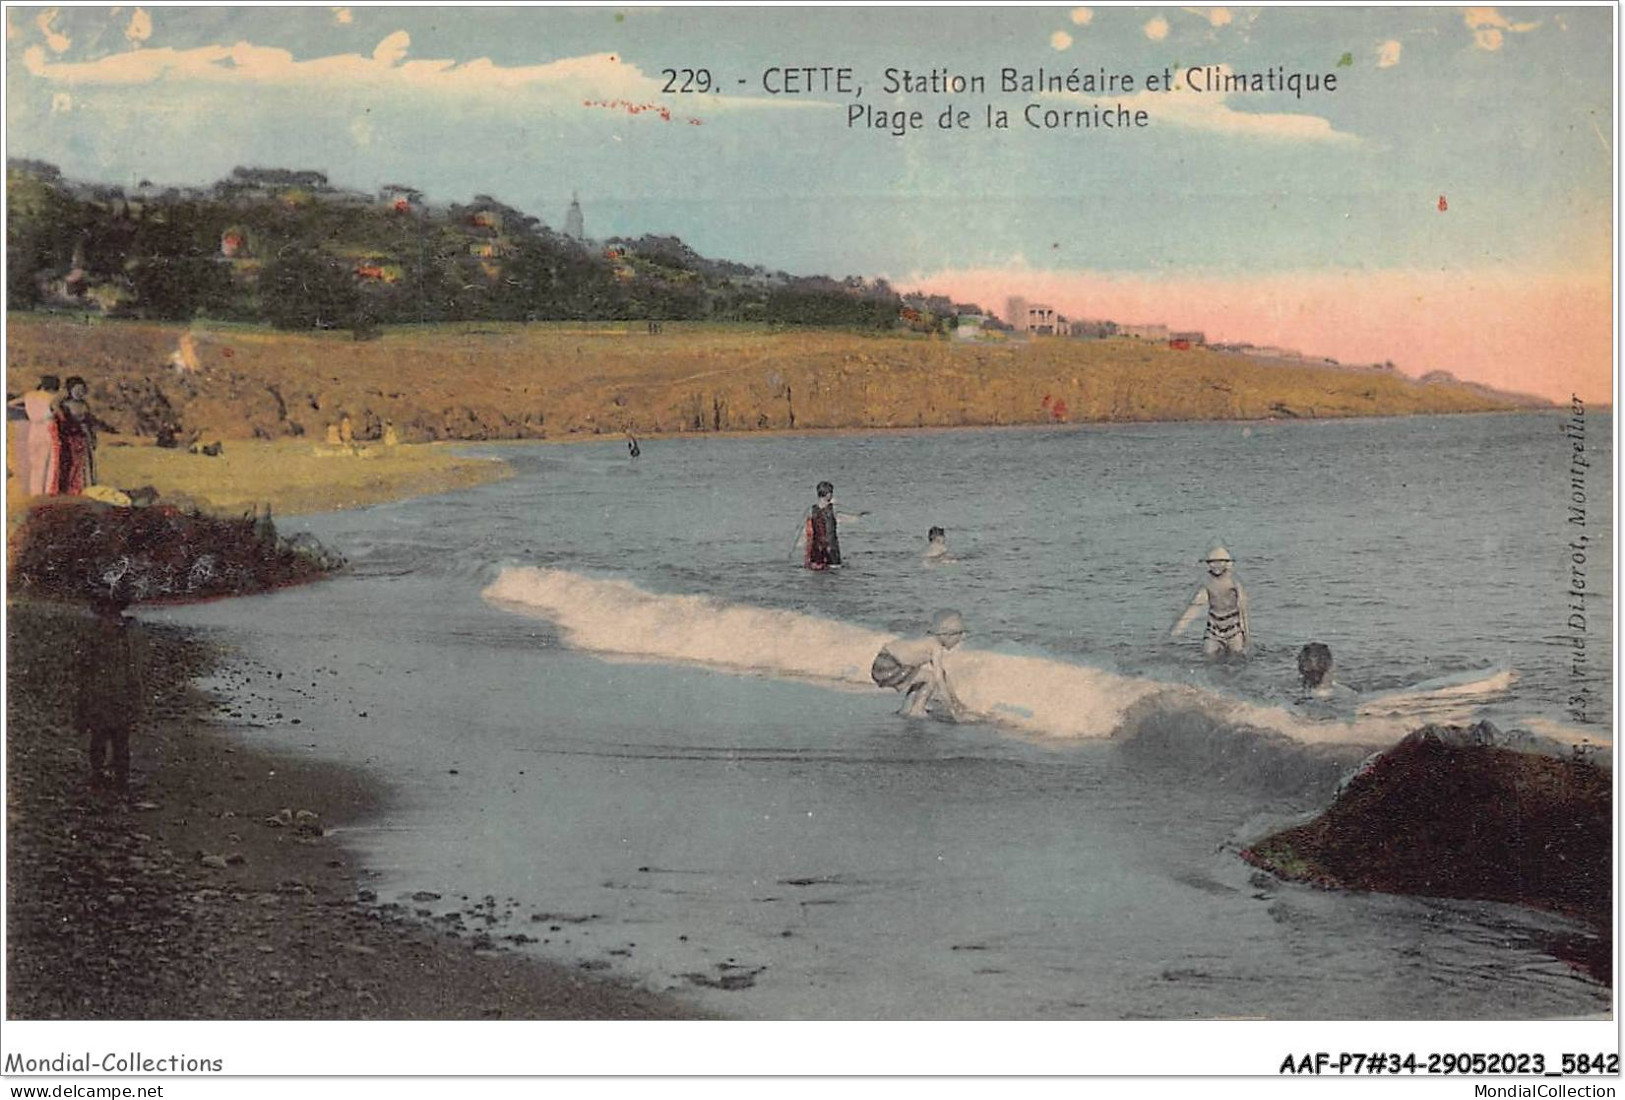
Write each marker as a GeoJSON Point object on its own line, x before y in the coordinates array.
{"type": "Point", "coordinates": [117, 911]}
{"type": "Point", "coordinates": [218, 872]}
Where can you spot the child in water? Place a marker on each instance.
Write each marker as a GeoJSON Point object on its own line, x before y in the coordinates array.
{"type": "Point", "coordinates": [1226, 601]}
{"type": "Point", "coordinates": [936, 550]}
{"type": "Point", "coordinates": [917, 667]}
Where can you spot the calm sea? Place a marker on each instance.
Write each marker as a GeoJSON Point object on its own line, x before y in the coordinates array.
{"type": "Point", "coordinates": [608, 702]}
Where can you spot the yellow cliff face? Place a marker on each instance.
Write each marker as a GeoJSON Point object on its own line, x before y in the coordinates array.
{"type": "Point", "coordinates": [496, 381]}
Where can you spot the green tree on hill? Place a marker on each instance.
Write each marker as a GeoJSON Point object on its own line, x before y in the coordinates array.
{"type": "Point", "coordinates": [171, 268]}
{"type": "Point", "coordinates": [43, 225]}
{"type": "Point", "coordinates": [306, 254]}
{"type": "Point", "coordinates": [305, 289]}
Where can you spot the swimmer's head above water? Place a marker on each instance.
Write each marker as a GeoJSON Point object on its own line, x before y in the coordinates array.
{"type": "Point", "coordinates": [1314, 664]}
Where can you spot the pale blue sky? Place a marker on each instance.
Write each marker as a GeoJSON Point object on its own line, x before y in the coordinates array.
{"type": "Point", "coordinates": [1505, 111]}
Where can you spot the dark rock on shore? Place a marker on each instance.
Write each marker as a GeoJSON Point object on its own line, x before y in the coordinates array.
{"type": "Point", "coordinates": [69, 548]}
{"type": "Point", "coordinates": [1450, 812]}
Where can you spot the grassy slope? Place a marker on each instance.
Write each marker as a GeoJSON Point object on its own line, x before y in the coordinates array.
{"type": "Point", "coordinates": [515, 381]}
{"type": "Point", "coordinates": [292, 476]}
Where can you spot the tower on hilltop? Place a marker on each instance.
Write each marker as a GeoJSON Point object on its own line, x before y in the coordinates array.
{"type": "Point", "coordinates": [573, 227]}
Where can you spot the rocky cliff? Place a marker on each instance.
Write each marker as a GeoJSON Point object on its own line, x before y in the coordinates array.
{"type": "Point", "coordinates": [524, 382]}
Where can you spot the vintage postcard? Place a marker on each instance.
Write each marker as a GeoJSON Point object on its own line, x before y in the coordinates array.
{"type": "Point", "coordinates": [863, 514]}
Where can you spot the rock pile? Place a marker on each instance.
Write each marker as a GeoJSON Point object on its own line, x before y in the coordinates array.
{"type": "Point", "coordinates": [71, 549]}
{"type": "Point", "coordinates": [1453, 812]}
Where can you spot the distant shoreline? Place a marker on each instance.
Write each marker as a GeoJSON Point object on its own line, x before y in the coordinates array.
{"type": "Point", "coordinates": [946, 429]}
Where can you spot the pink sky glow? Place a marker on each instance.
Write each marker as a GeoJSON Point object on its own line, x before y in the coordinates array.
{"type": "Point", "coordinates": [1545, 334]}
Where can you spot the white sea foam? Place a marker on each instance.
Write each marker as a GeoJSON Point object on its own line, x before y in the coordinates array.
{"type": "Point", "coordinates": [1037, 695]}
{"type": "Point", "coordinates": [1449, 698]}
{"type": "Point", "coordinates": [616, 616]}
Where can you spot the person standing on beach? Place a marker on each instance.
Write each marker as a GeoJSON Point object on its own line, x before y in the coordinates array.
{"type": "Point", "coordinates": [1226, 603]}
{"type": "Point", "coordinates": [39, 473]}
{"type": "Point", "coordinates": [76, 440]}
{"type": "Point", "coordinates": [109, 687]}
{"type": "Point", "coordinates": [917, 667]}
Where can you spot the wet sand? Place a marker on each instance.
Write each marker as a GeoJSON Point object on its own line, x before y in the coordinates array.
{"type": "Point", "coordinates": [196, 897]}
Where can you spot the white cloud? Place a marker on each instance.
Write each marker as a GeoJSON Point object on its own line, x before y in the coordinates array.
{"type": "Point", "coordinates": [140, 28]}
{"type": "Point", "coordinates": [1217, 17]}
{"type": "Point", "coordinates": [1189, 109]}
{"type": "Point", "coordinates": [343, 15]}
{"type": "Point", "coordinates": [1157, 29]}
{"type": "Point", "coordinates": [1211, 112]}
{"type": "Point", "coordinates": [61, 103]}
{"type": "Point", "coordinates": [1060, 40]}
{"type": "Point", "coordinates": [392, 50]}
{"type": "Point", "coordinates": [1083, 16]}
{"type": "Point", "coordinates": [1487, 25]}
{"type": "Point", "coordinates": [1388, 54]}
{"type": "Point", "coordinates": [1489, 17]}
{"type": "Point", "coordinates": [361, 131]}
{"type": "Point", "coordinates": [58, 41]}
{"type": "Point", "coordinates": [245, 67]}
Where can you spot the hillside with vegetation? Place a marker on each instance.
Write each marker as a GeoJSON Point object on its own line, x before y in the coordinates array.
{"type": "Point", "coordinates": [289, 249]}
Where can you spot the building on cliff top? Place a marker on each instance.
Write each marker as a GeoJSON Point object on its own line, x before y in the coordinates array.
{"type": "Point", "coordinates": [1041, 320]}
{"type": "Point", "coordinates": [1158, 333]}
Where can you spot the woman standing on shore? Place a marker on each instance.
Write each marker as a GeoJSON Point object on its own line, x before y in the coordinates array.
{"type": "Point", "coordinates": [76, 440]}
{"type": "Point", "coordinates": [39, 472]}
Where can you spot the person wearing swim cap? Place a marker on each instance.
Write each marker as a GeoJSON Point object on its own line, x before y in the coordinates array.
{"type": "Point", "coordinates": [1226, 603]}
{"type": "Point", "coordinates": [918, 669]}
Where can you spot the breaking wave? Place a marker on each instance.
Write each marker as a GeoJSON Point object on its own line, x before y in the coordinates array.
{"type": "Point", "coordinates": [1041, 696]}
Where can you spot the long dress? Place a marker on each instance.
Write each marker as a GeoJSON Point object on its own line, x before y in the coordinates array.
{"type": "Point", "coordinates": [42, 450]}
{"type": "Point", "coordinates": [76, 463]}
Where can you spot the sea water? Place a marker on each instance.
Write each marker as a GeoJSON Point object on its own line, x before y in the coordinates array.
{"type": "Point", "coordinates": [622, 726]}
